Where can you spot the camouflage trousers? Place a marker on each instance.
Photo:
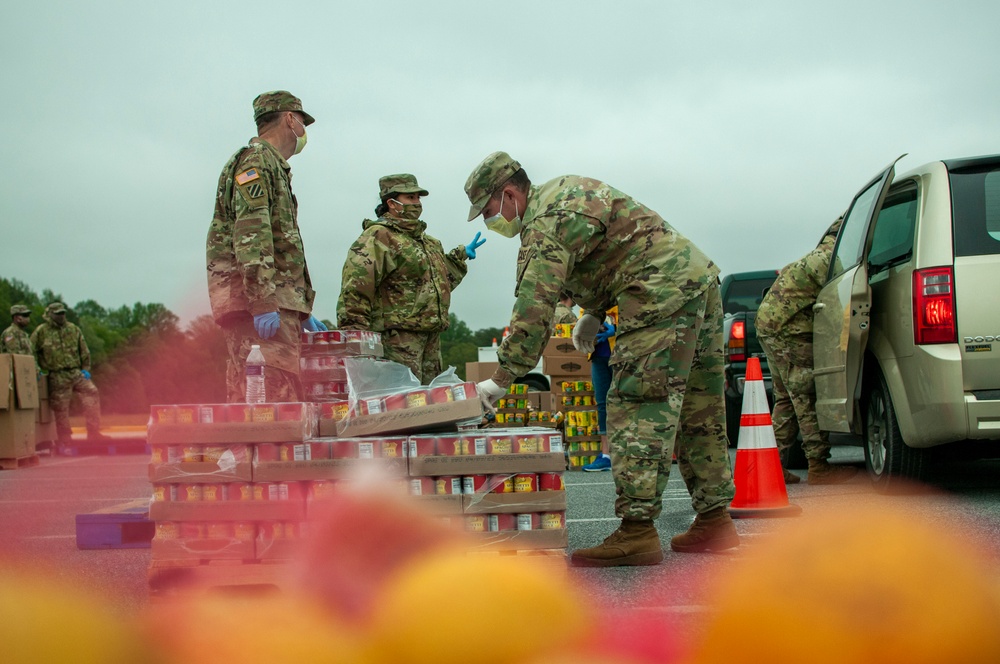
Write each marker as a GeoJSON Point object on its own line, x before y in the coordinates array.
{"type": "Point", "coordinates": [281, 358]}
{"type": "Point", "coordinates": [62, 385]}
{"type": "Point", "coordinates": [790, 360]}
{"type": "Point", "coordinates": [672, 401]}
{"type": "Point", "coordinates": [420, 351]}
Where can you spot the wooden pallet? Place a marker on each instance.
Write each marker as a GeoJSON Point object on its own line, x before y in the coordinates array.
{"type": "Point", "coordinates": [20, 462]}
{"type": "Point", "coordinates": [125, 526]}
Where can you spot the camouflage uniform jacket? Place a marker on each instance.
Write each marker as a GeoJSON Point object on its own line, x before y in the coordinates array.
{"type": "Point", "coordinates": [787, 307]}
{"type": "Point", "coordinates": [254, 252]}
{"type": "Point", "coordinates": [396, 276]}
{"type": "Point", "coordinates": [15, 340]}
{"type": "Point", "coordinates": [564, 315]}
{"type": "Point", "coordinates": [607, 249]}
{"type": "Point", "coordinates": [60, 348]}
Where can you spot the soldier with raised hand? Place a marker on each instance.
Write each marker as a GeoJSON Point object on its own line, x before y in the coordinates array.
{"type": "Point", "coordinates": [666, 394]}
{"type": "Point", "coordinates": [258, 281]}
{"type": "Point", "coordinates": [785, 330]}
{"type": "Point", "coordinates": [397, 279]}
{"type": "Point", "coordinates": [62, 352]}
{"type": "Point", "coordinates": [14, 339]}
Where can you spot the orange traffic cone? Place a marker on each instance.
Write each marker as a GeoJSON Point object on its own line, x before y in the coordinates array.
{"type": "Point", "coordinates": [760, 483]}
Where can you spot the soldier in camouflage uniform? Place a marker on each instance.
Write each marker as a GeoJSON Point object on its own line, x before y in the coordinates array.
{"type": "Point", "coordinates": [258, 281]}
{"type": "Point", "coordinates": [397, 279]}
{"type": "Point", "coordinates": [14, 339]}
{"type": "Point", "coordinates": [61, 351]}
{"type": "Point", "coordinates": [785, 330]}
{"type": "Point", "coordinates": [666, 392]}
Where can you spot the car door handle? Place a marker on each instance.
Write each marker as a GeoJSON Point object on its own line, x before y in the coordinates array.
{"type": "Point", "coordinates": [818, 306]}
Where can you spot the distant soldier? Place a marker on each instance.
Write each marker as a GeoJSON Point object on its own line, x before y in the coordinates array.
{"type": "Point", "coordinates": [584, 236]}
{"type": "Point", "coordinates": [258, 281]}
{"type": "Point", "coordinates": [785, 330]}
{"type": "Point", "coordinates": [62, 352]}
{"type": "Point", "coordinates": [564, 310]}
{"type": "Point", "coordinates": [14, 339]}
{"type": "Point", "coordinates": [397, 279]}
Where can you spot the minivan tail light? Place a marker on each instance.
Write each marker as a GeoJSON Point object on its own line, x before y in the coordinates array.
{"type": "Point", "coordinates": [934, 306]}
{"type": "Point", "coordinates": [737, 341]}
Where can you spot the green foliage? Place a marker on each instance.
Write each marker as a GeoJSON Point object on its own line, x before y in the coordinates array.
{"type": "Point", "coordinates": [459, 344]}
{"type": "Point", "coordinates": [140, 356]}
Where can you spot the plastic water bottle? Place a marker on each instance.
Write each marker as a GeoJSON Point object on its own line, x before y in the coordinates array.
{"type": "Point", "coordinates": [255, 376]}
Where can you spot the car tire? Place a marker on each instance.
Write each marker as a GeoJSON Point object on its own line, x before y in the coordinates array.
{"type": "Point", "coordinates": [534, 383]}
{"type": "Point", "coordinates": [892, 464]}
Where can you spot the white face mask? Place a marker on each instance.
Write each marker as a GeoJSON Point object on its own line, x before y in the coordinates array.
{"type": "Point", "coordinates": [498, 224]}
{"type": "Point", "coordinates": [300, 141]}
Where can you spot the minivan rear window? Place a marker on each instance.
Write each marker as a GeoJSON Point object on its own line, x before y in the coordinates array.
{"type": "Point", "coordinates": [975, 204]}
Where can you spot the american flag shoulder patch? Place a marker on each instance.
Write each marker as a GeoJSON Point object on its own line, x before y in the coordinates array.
{"type": "Point", "coordinates": [247, 176]}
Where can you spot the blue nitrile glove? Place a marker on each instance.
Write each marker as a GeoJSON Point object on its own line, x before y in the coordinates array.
{"type": "Point", "coordinates": [470, 249]}
{"type": "Point", "coordinates": [607, 331]}
{"type": "Point", "coordinates": [86, 374]}
{"type": "Point", "coordinates": [267, 324]}
{"type": "Point", "coordinates": [313, 324]}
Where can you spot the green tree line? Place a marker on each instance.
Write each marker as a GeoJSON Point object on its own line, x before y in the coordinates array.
{"type": "Point", "coordinates": [141, 356]}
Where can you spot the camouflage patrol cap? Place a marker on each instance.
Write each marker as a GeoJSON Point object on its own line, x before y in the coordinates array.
{"type": "Point", "coordinates": [400, 183]}
{"type": "Point", "coordinates": [20, 310]}
{"type": "Point", "coordinates": [279, 100]}
{"type": "Point", "coordinates": [486, 178]}
{"type": "Point", "coordinates": [56, 308]}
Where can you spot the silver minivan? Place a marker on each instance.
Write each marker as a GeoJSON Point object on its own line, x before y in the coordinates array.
{"type": "Point", "coordinates": [907, 328]}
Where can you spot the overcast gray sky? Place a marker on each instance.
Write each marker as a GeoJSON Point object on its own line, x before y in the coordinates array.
{"type": "Point", "coordinates": [748, 126]}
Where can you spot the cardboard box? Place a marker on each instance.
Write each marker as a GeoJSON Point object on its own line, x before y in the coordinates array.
{"type": "Point", "coordinates": [228, 510]}
{"type": "Point", "coordinates": [325, 469]}
{"type": "Point", "coordinates": [440, 505]}
{"type": "Point", "coordinates": [479, 371]}
{"type": "Point", "coordinates": [201, 549]}
{"type": "Point", "coordinates": [566, 365]}
{"type": "Point", "coordinates": [562, 346]}
{"type": "Point", "coordinates": [411, 419]}
{"type": "Point", "coordinates": [517, 503]}
{"type": "Point", "coordinates": [433, 466]}
{"type": "Point", "coordinates": [44, 411]}
{"type": "Point", "coordinates": [162, 432]}
{"type": "Point", "coordinates": [199, 472]}
{"type": "Point", "coordinates": [18, 403]}
{"type": "Point", "coordinates": [520, 540]}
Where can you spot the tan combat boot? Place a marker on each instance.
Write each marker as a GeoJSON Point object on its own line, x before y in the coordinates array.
{"type": "Point", "coordinates": [790, 477]}
{"type": "Point", "coordinates": [821, 472]}
{"type": "Point", "coordinates": [712, 531]}
{"type": "Point", "coordinates": [634, 543]}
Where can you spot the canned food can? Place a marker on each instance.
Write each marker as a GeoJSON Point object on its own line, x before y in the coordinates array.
{"type": "Point", "coordinates": [395, 402]}
{"type": "Point", "coordinates": [424, 445]}
{"type": "Point", "coordinates": [551, 482]}
{"type": "Point", "coordinates": [219, 530]}
{"type": "Point", "coordinates": [442, 394]}
{"type": "Point", "coordinates": [449, 446]}
{"type": "Point", "coordinates": [393, 448]}
{"type": "Point", "coordinates": [448, 485]}
{"type": "Point", "coordinates": [237, 412]}
{"type": "Point", "coordinates": [526, 444]}
{"type": "Point", "coordinates": [264, 412]}
{"type": "Point", "coordinates": [553, 520]}
{"type": "Point", "coordinates": [528, 521]}
{"type": "Point", "coordinates": [499, 444]}
{"type": "Point", "coordinates": [262, 490]}
{"type": "Point", "coordinates": [167, 530]}
{"type": "Point", "coordinates": [239, 491]}
{"type": "Point", "coordinates": [320, 489]}
{"type": "Point", "coordinates": [187, 414]}
{"type": "Point", "coordinates": [290, 412]}
{"type": "Point", "coordinates": [245, 531]}
{"type": "Point", "coordinates": [295, 452]}
{"type": "Point", "coordinates": [189, 493]}
{"type": "Point", "coordinates": [213, 492]}
{"type": "Point", "coordinates": [164, 414]}
{"type": "Point", "coordinates": [193, 530]}
{"type": "Point", "coordinates": [192, 454]}
{"type": "Point", "coordinates": [464, 391]}
{"type": "Point", "coordinates": [476, 523]}
{"type": "Point", "coordinates": [319, 449]}
{"type": "Point", "coordinates": [366, 449]}
{"type": "Point", "coordinates": [555, 443]}
{"type": "Point", "coordinates": [474, 444]}
{"type": "Point", "coordinates": [473, 483]}
{"type": "Point", "coordinates": [343, 449]}
{"type": "Point", "coordinates": [501, 483]}
{"type": "Point", "coordinates": [372, 406]}
{"type": "Point", "coordinates": [422, 486]}
{"type": "Point", "coordinates": [417, 398]}
{"type": "Point", "coordinates": [497, 523]}
{"type": "Point", "coordinates": [525, 482]}
{"type": "Point", "coordinates": [158, 454]}
{"type": "Point", "coordinates": [532, 416]}
{"type": "Point", "coordinates": [164, 493]}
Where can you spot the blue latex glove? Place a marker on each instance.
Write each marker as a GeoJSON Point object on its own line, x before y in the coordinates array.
{"type": "Point", "coordinates": [86, 374]}
{"type": "Point", "coordinates": [607, 331]}
{"type": "Point", "coordinates": [470, 249]}
{"type": "Point", "coordinates": [267, 324]}
{"type": "Point", "coordinates": [313, 324]}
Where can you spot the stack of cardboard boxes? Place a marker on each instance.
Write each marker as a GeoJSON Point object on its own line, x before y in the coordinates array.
{"type": "Point", "coordinates": [18, 410]}
{"type": "Point", "coordinates": [234, 485]}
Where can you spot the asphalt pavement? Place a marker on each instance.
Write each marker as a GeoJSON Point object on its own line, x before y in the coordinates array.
{"type": "Point", "coordinates": [38, 505]}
